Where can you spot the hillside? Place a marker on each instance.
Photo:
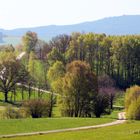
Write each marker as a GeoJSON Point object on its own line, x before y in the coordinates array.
{"type": "Point", "coordinates": [122, 25]}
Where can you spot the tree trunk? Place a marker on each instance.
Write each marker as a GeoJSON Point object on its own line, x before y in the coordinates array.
{"type": "Point", "coordinates": [51, 105]}
{"type": "Point", "coordinates": [22, 92]}
{"type": "Point", "coordinates": [6, 96]}
{"type": "Point", "coordinates": [111, 104]}
{"type": "Point", "coordinates": [111, 101]}
{"type": "Point", "coordinates": [29, 92]}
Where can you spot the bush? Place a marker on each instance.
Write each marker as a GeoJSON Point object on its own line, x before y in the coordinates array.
{"type": "Point", "coordinates": [38, 108]}
{"type": "Point", "coordinates": [134, 110]}
{"type": "Point", "coordinates": [132, 103]}
{"type": "Point", "coordinates": [14, 113]}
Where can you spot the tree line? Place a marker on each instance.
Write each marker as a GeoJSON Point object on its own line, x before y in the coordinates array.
{"type": "Point", "coordinates": [85, 69]}
{"type": "Point", "coordinates": [116, 56]}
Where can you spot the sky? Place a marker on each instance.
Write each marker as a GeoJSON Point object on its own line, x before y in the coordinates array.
{"type": "Point", "coordinates": [32, 13]}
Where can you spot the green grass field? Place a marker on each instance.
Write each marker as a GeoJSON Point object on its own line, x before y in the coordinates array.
{"type": "Point", "coordinates": [127, 131]}
{"type": "Point", "coordinates": [31, 125]}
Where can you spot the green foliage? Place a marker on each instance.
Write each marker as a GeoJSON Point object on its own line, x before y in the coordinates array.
{"type": "Point", "coordinates": [116, 56]}
{"type": "Point", "coordinates": [132, 102]}
{"type": "Point", "coordinates": [37, 70]}
{"type": "Point", "coordinates": [133, 111]}
{"type": "Point", "coordinates": [78, 90]}
{"type": "Point", "coordinates": [29, 41]}
{"type": "Point", "coordinates": [54, 56]}
{"type": "Point", "coordinates": [55, 72]}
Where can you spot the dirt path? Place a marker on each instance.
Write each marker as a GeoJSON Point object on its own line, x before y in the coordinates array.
{"type": "Point", "coordinates": [121, 119]}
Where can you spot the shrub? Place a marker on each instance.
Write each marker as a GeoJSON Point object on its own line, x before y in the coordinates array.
{"type": "Point", "coordinates": [14, 113]}
{"type": "Point", "coordinates": [134, 110]}
{"type": "Point", "coordinates": [132, 103]}
{"type": "Point", "coordinates": [38, 108]}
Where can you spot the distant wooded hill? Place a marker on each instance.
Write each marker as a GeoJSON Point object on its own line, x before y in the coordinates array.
{"type": "Point", "coordinates": [122, 25]}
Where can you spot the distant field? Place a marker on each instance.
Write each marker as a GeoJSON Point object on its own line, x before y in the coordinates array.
{"type": "Point", "coordinates": [127, 131]}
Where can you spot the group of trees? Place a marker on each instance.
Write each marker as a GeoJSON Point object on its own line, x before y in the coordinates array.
{"type": "Point", "coordinates": [116, 56]}
{"type": "Point", "coordinates": [86, 70]}
{"type": "Point", "coordinates": [81, 93]}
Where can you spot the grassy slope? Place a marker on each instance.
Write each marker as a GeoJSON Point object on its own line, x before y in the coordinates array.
{"type": "Point", "coordinates": [31, 125]}
{"type": "Point", "coordinates": [127, 131]}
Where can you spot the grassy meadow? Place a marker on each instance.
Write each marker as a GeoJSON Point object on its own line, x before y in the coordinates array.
{"type": "Point", "coordinates": [128, 131]}
{"type": "Point", "coordinates": [43, 124]}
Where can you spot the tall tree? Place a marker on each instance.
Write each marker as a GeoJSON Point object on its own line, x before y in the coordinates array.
{"type": "Point", "coordinates": [29, 41]}
{"type": "Point", "coordinates": [78, 89]}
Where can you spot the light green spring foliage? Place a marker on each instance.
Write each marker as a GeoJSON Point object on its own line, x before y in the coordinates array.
{"type": "Point", "coordinates": [55, 73]}
{"type": "Point", "coordinates": [132, 103]}
{"type": "Point", "coordinates": [31, 64]}
{"type": "Point", "coordinates": [37, 69]}
{"type": "Point", "coordinates": [54, 56]}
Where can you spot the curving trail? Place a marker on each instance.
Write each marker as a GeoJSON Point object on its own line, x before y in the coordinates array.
{"type": "Point", "coordinates": [121, 119]}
